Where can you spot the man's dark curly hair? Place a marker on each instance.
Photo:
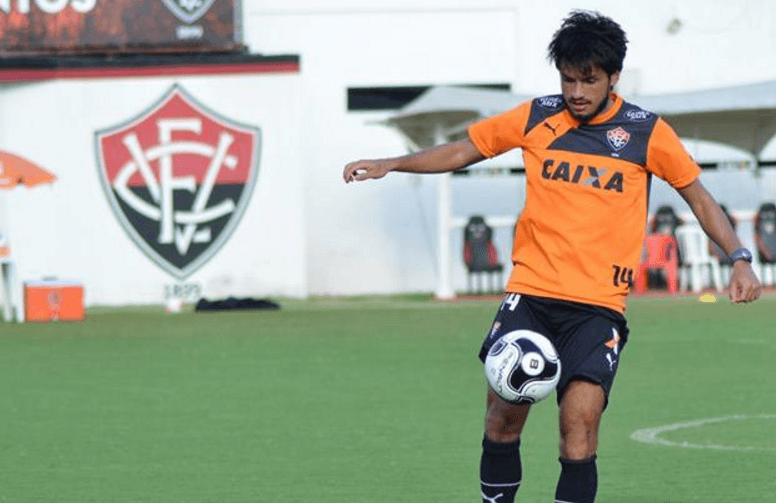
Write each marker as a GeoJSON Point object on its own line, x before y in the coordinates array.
{"type": "Point", "coordinates": [586, 39]}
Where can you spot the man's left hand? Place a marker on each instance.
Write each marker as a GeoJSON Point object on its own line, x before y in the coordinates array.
{"type": "Point", "coordinates": [744, 285]}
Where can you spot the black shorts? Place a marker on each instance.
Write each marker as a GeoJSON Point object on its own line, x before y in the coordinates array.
{"type": "Point", "coordinates": [589, 339]}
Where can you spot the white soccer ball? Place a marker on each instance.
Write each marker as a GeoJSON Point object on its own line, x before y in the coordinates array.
{"type": "Point", "coordinates": [522, 367]}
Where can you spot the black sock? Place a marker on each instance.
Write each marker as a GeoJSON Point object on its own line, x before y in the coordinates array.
{"type": "Point", "coordinates": [578, 481]}
{"type": "Point", "coordinates": [500, 471]}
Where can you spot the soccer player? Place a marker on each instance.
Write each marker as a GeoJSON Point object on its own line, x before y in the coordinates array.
{"type": "Point", "coordinates": [589, 158]}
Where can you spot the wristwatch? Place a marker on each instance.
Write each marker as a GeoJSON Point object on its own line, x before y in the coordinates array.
{"type": "Point", "coordinates": [741, 254]}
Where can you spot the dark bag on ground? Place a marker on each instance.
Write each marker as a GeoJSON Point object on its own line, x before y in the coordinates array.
{"type": "Point", "coordinates": [235, 304]}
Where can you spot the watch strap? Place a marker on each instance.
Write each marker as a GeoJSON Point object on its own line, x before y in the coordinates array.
{"type": "Point", "coordinates": [741, 254]}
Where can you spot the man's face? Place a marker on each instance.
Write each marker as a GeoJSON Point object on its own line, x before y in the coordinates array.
{"type": "Point", "coordinates": [586, 91]}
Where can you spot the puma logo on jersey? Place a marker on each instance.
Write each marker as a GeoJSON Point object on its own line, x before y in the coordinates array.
{"type": "Point", "coordinates": [583, 175]}
{"type": "Point", "coordinates": [548, 126]}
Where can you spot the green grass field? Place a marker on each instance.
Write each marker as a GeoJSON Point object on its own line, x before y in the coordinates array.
{"type": "Point", "coordinates": [365, 400]}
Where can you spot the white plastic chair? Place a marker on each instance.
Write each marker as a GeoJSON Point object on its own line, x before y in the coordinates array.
{"type": "Point", "coordinates": [767, 274]}
{"type": "Point", "coordinates": [695, 257]}
{"type": "Point", "coordinates": [12, 310]}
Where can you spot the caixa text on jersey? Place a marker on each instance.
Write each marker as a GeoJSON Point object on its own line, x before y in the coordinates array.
{"type": "Point", "coordinates": [583, 175]}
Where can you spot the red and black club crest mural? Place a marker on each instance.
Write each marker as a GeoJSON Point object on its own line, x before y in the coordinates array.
{"type": "Point", "coordinates": [178, 177]}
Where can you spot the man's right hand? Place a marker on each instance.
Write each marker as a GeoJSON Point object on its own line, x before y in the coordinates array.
{"type": "Point", "coordinates": [364, 170]}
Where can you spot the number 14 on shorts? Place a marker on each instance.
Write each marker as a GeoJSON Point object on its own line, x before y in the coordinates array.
{"type": "Point", "coordinates": [510, 301]}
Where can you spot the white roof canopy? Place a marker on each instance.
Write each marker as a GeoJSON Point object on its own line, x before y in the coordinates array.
{"type": "Point", "coordinates": [442, 114]}
{"type": "Point", "coordinates": [743, 117]}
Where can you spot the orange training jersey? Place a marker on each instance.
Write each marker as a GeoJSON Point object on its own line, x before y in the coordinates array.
{"type": "Point", "coordinates": [581, 233]}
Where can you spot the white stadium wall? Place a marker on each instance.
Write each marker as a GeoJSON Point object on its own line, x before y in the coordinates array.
{"type": "Point", "coordinates": [74, 229]}
{"type": "Point", "coordinates": [376, 237]}
{"type": "Point", "coordinates": [303, 231]}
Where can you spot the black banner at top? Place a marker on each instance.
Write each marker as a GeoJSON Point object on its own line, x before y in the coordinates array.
{"type": "Point", "coordinates": [29, 27]}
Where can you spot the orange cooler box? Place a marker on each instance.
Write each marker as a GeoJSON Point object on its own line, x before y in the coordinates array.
{"type": "Point", "coordinates": [53, 300]}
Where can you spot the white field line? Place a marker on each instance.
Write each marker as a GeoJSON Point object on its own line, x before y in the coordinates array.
{"type": "Point", "coordinates": [652, 435]}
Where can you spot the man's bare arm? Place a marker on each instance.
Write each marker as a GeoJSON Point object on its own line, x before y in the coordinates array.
{"type": "Point", "coordinates": [441, 159]}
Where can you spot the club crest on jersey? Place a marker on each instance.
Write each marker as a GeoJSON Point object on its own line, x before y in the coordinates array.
{"type": "Point", "coordinates": [188, 11]}
{"type": "Point", "coordinates": [618, 138]}
{"type": "Point", "coordinates": [178, 178]}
